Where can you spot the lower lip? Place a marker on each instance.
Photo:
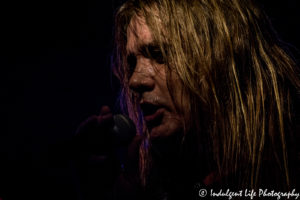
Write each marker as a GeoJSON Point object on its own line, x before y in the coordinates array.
{"type": "Point", "coordinates": [155, 116]}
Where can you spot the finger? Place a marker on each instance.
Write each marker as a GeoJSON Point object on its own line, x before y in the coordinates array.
{"type": "Point", "coordinates": [105, 117]}
{"type": "Point", "coordinates": [105, 110]}
{"type": "Point", "coordinates": [106, 121]}
{"type": "Point", "coordinates": [87, 124]}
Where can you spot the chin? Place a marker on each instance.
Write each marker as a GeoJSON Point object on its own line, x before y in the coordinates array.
{"type": "Point", "coordinates": [166, 129]}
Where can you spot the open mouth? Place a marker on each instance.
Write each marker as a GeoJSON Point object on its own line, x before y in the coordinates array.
{"type": "Point", "coordinates": [149, 109]}
{"type": "Point", "coordinates": [152, 114]}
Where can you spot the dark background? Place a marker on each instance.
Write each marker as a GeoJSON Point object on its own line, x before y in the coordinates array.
{"type": "Point", "coordinates": [55, 72]}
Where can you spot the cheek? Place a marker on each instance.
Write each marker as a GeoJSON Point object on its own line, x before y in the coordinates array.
{"type": "Point", "coordinates": [160, 73]}
{"type": "Point", "coordinates": [176, 91]}
{"type": "Point", "coordinates": [181, 103]}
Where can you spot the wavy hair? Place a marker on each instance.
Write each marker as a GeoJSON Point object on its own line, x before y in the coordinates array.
{"type": "Point", "coordinates": [235, 74]}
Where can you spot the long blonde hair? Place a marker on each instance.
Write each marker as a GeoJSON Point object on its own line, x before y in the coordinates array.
{"type": "Point", "coordinates": [236, 77]}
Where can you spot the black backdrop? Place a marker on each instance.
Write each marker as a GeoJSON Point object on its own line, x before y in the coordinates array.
{"type": "Point", "coordinates": [55, 72]}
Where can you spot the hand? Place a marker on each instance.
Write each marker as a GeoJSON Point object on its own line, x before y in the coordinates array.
{"type": "Point", "coordinates": [94, 136]}
{"type": "Point", "coordinates": [97, 164]}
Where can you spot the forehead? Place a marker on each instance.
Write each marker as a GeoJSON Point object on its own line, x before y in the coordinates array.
{"type": "Point", "coordinates": [138, 34]}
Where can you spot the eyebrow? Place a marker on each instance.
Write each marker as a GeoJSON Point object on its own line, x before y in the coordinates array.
{"type": "Point", "coordinates": [143, 48]}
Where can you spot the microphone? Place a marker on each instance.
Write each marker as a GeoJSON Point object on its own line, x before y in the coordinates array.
{"type": "Point", "coordinates": [123, 130]}
{"type": "Point", "coordinates": [99, 139]}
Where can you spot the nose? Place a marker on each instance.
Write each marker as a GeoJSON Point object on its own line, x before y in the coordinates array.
{"type": "Point", "coordinates": [142, 79]}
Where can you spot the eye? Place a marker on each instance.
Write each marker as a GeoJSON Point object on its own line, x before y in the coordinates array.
{"type": "Point", "coordinates": [153, 52]}
{"type": "Point", "coordinates": [131, 62]}
{"type": "Point", "coordinates": [156, 54]}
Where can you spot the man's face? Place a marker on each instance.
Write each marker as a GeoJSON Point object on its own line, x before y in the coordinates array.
{"type": "Point", "coordinates": [148, 81]}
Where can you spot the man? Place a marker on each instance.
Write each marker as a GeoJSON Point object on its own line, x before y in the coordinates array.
{"type": "Point", "coordinates": [212, 94]}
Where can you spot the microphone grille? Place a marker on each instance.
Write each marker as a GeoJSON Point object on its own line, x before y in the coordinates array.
{"type": "Point", "coordinates": [124, 129]}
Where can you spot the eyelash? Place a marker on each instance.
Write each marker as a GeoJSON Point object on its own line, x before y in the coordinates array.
{"type": "Point", "coordinates": [153, 52]}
